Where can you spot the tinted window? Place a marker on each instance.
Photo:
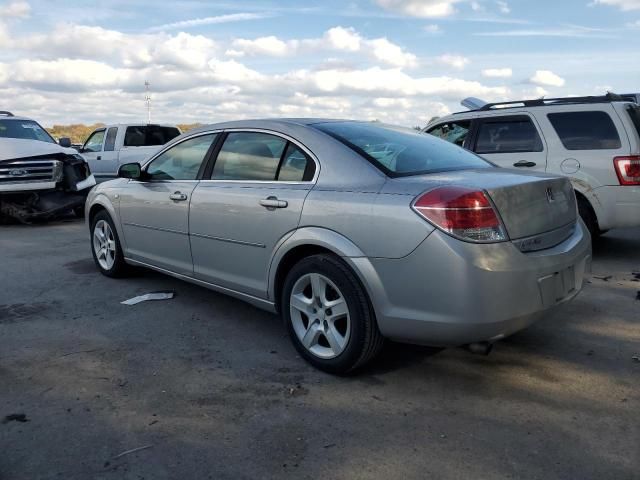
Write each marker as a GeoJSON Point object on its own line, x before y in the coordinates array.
{"type": "Point", "coordinates": [249, 156]}
{"type": "Point", "coordinates": [634, 113]}
{"type": "Point", "coordinates": [149, 135]}
{"type": "Point", "coordinates": [24, 129]}
{"type": "Point", "coordinates": [110, 142]}
{"type": "Point", "coordinates": [94, 144]}
{"type": "Point", "coordinates": [296, 166]}
{"type": "Point", "coordinates": [585, 130]}
{"type": "Point", "coordinates": [183, 161]}
{"type": "Point", "coordinates": [453, 132]}
{"type": "Point", "coordinates": [507, 136]}
{"type": "Point", "coordinates": [399, 151]}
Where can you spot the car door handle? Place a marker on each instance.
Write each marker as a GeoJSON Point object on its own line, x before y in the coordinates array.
{"type": "Point", "coordinates": [273, 202]}
{"type": "Point", "coordinates": [524, 163]}
{"type": "Point", "coordinates": [178, 196]}
{"type": "Point", "coordinates": [99, 157]}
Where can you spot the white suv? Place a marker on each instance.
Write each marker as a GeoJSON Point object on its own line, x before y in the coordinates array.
{"type": "Point", "coordinates": [594, 141]}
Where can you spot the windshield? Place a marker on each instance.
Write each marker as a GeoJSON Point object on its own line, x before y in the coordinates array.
{"type": "Point", "coordinates": [24, 129]}
{"type": "Point", "coordinates": [399, 152]}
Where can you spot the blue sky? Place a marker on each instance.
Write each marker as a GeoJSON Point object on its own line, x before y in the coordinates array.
{"type": "Point", "coordinates": [401, 61]}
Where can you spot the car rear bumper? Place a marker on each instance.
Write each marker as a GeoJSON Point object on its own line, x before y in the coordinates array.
{"type": "Point", "coordinates": [448, 292]}
{"type": "Point", "coordinates": [619, 206]}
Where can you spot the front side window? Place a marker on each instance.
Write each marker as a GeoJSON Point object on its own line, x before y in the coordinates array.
{"type": "Point", "coordinates": [452, 132]}
{"type": "Point", "coordinates": [110, 142]}
{"type": "Point", "coordinates": [585, 130]}
{"type": "Point", "coordinates": [94, 144]}
{"type": "Point", "coordinates": [508, 136]}
{"type": "Point", "coordinates": [249, 156]}
{"type": "Point", "coordinates": [399, 151]}
{"type": "Point", "coordinates": [182, 161]}
{"type": "Point", "coordinates": [24, 130]}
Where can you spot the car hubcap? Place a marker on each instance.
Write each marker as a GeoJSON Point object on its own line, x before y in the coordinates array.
{"type": "Point", "coordinates": [104, 244]}
{"type": "Point", "coordinates": [320, 315]}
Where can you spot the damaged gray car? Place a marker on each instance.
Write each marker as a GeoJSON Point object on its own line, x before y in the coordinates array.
{"type": "Point", "coordinates": [39, 179]}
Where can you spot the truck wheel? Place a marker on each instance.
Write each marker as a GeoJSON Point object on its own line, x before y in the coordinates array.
{"type": "Point", "coordinates": [329, 316]}
{"type": "Point", "coordinates": [106, 249]}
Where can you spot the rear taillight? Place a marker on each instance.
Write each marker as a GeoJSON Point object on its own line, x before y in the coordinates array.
{"type": "Point", "coordinates": [463, 212]}
{"type": "Point", "coordinates": [628, 169]}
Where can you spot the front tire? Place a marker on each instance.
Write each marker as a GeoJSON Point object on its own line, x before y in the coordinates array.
{"type": "Point", "coordinates": [105, 246]}
{"type": "Point", "coordinates": [329, 316]}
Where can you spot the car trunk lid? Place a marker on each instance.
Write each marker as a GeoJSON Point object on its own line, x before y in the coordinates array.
{"type": "Point", "coordinates": [529, 204]}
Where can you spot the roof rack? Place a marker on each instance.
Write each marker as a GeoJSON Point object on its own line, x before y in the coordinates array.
{"type": "Point", "coordinates": [539, 102]}
{"type": "Point", "coordinates": [5, 113]}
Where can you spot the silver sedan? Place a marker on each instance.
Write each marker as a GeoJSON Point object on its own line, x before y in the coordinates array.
{"type": "Point", "coordinates": [354, 232]}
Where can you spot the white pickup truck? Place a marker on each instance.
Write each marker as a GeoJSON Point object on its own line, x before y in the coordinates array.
{"type": "Point", "coordinates": [109, 147]}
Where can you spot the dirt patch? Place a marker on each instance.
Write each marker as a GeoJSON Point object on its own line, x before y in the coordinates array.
{"type": "Point", "coordinates": [20, 312]}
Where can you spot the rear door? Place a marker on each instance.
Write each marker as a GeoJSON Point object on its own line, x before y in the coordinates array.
{"type": "Point", "coordinates": [252, 200]}
{"type": "Point", "coordinates": [510, 141]}
{"type": "Point", "coordinates": [155, 212]}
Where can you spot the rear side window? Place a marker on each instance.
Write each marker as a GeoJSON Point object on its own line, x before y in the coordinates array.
{"type": "Point", "coordinates": [585, 130]}
{"type": "Point", "coordinates": [296, 166]}
{"type": "Point", "coordinates": [249, 156]}
{"type": "Point", "coordinates": [508, 136]}
{"type": "Point", "coordinates": [110, 142]}
{"type": "Point", "coordinates": [149, 135]}
{"type": "Point", "coordinates": [453, 132]}
{"type": "Point", "coordinates": [634, 113]}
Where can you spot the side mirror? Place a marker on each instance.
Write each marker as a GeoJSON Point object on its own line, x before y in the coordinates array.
{"type": "Point", "coordinates": [65, 142]}
{"type": "Point", "coordinates": [130, 170]}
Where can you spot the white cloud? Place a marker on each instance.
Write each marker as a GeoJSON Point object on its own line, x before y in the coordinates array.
{"type": "Point", "coordinates": [433, 29]}
{"type": "Point", "coordinates": [270, 45]}
{"type": "Point", "coordinates": [503, 7]}
{"type": "Point", "coordinates": [547, 78]}
{"type": "Point", "coordinates": [390, 53]}
{"type": "Point", "coordinates": [15, 10]}
{"type": "Point", "coordinates": [570, 31]}
{"type": "Point", "coordinates": [497, 72]}
{"type": "Point", "coordinates": [341, 39]}
{"type": "Point", "coordinates": [197, 22]}
{"type": "Point", "coordinates": [455, 61]}
{"type": "Point", "coordinates": [624, 5]}
{"type": "Point", "coordinates": [421, 8]}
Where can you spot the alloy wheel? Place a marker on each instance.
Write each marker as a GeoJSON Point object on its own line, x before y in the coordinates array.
{"type": "Point", "coordinates": [104, 244]}
{"type": "Point", "coordinates": [320, 315]}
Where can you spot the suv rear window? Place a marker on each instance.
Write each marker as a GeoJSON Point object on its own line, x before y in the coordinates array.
{"type": "Point", "coordinates": [585, 130]}
{"type": "Point", "coordinates": [401, 152]}
{"type": "Point", "coordinates": [149, 135]}
{"type": "Point", "coordinates": [508, 135]}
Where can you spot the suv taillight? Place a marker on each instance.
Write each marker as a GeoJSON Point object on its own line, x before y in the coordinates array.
{"type": "Point", "coordinates": [462, 212]}
{"type": "Point", "coordinates": [628, 169]}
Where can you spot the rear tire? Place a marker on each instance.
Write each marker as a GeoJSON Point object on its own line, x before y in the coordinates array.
{"type": "Point", "coordinates": [588, 217]}
{"type": "Point", "coordinates": [106, 248]}
{"type": "Point", "coordinates": [328, 315]}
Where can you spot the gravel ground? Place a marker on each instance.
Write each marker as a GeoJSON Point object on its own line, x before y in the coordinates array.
{"type": "Point", "coordinates": [209, 387]}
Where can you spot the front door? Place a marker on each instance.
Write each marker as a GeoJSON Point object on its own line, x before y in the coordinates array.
{"type": "Point", "coordinates": [253, 200]}
{"type": "Point", "coordinates": [155, 211]}
{"type": "Point", "coordinates": [510, 141]}
{"type": "Point", "coordinates": [92, 151]}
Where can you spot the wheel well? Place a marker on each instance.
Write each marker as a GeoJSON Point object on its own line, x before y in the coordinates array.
{"type": "Point", "coordinates": [580, 197]}
{"type": "Point", "coordinates": [94, 211]}
{"type": "Point", "coordinates": [292, 257]}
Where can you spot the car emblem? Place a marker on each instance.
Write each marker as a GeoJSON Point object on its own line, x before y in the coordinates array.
{"type": "Point", "coordinates": [18, 172]}
{"type": "Point", "coordinates": [550, 197]}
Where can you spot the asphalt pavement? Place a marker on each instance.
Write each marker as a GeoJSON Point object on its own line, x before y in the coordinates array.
{"type": "Point", "coordinates": [204, 386]}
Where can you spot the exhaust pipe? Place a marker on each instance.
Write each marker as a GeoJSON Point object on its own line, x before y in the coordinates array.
{"type": "Point", "coordinates": [479, 348]}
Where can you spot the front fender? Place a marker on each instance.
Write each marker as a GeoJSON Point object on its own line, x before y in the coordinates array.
{"type": "Point", "coordinates": [100, 197]}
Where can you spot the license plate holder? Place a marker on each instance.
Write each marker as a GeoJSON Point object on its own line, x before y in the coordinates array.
{"type": "Point", "coordinates": [557, 286]}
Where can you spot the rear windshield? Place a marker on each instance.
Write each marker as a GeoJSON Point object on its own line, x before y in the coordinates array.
{"type": "Point", "coordinates": [585, 130]}
{"type": "Point", "coordinates": [400, 152]}
{"type": "Point", "coordinates": [24, 129]}
{"type": "Point", "coordinates": [149, 135]}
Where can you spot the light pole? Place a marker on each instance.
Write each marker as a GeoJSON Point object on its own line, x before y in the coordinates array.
{"type": "Point", "coordinates": [147, 99]}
